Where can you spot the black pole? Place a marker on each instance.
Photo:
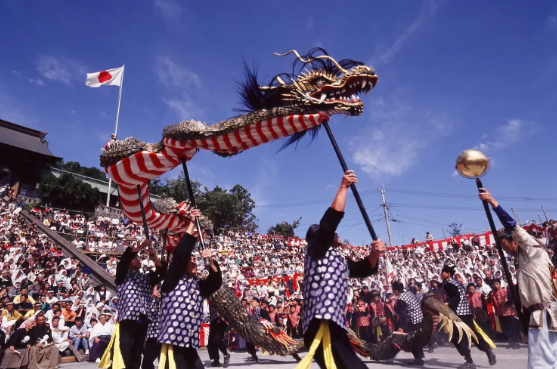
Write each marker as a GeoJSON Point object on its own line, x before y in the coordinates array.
{"type": "Point", "coordinates": [163, 247]}
{"type": "Point", "coordinates": [508, 275]}
{"type": "Point", "coordinates": [145, 228]}
{"type": "Point", "coordinates": [353, 187]}
{"type": "Point", "coordinates": [206, 261]}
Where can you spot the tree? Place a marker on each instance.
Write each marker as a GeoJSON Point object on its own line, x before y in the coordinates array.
{"type": "Point", "coordinates": [227, 209]}
{"type": "Point", "coordinates": [178, 189]}
{"type": "Point", "coordinates": [455, 229]}
{"type": "Point", "coordinates": [68, 192]}
{"type": "Point", "coordinates": [157, 187]}
{"type": "Point", "coordinates": [75, 167]}
{"type": "Point", "coordinates": [285, 229]}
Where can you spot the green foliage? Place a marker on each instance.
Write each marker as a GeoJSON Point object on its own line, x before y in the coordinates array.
{"type": "Point", "coordinates": [227, 209]}
{"type": "Point", "coordinates": [75, 167]}
{"type": "Point", "coordinates": [285, 229]}
{"type": "Point", "coordinates": [68, 192]}
{"type": "Point", "coordinates": [455, 229]}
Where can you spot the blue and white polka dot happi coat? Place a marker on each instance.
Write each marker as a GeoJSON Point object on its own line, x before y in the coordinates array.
{"type": "Point", "coordinates": [182, 314]}
{"type": "Point", "coordinates": [325, 288]}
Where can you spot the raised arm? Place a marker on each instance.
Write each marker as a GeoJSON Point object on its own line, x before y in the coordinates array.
{"type": "Point", "coordinates": [213, 282]}
{"type": "Point", "coordinates": [321, 237]}
{"type": "Point", "coordinates": [368, 266]}
{"type": "Point", "coordinates": [126, 259]}
{"type": "Point", "coordinates": [180, 257]}
{"type": "Point", "coordinates": [506, 220]}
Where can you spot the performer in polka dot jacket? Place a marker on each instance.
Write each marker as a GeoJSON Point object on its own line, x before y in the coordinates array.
{"type": "Point", "coordinates": [134, 294]}
{"type": "Point", "coordinates": [325, 288]}
{"type": "Point", "coordinates": [182, 303]}
{"type": "Point", "coordinates": [457, 301]}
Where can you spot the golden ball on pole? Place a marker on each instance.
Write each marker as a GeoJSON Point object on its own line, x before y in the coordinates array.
{"type": "Point", "coordinates": [472, 163]}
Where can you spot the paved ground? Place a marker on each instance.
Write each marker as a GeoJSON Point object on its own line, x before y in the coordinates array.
{"type": "Point", "coordinates": [442, 358]}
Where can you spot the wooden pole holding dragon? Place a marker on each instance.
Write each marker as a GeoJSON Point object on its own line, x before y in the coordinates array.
{"type": "Point", "coordinates": [206, 261]}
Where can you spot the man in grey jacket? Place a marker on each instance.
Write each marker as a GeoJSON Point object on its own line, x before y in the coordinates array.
{"type": "Point", "coordinates": [533, 274]}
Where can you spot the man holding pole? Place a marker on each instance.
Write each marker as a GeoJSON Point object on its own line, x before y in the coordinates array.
{"type": "Point", "coordinates": [535, 287]}
{"type": "Point", "coordinates": [182, 303]}
{"type": "Point", "coordinates": [326, 285]}
{"type": "Point", "coordinates": [134, 293]}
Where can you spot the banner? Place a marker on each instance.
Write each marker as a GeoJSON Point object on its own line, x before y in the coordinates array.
{"type": "Point", "coordinates": [484, 238]}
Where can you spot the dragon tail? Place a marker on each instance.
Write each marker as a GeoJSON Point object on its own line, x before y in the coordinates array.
{"type": "Point", "coordinates": [273, 340]}
{"type": "Point", "coordinates": [449, 320]}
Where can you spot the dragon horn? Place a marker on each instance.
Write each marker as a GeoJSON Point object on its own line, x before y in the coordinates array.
{"type": "Point", "coordinates": [344, 71]}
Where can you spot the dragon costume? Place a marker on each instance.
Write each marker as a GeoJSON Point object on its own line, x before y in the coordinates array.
{"type": "Point", "coordinates": [289, 106]}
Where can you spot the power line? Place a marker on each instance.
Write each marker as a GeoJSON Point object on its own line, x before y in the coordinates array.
{"type": "Point", "coordinates": [457, 196]}
{"type": "Point", "coordinates": [449, 207]}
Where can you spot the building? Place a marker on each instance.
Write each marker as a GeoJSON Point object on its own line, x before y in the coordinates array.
{"type": "Point", "coordinates": [102, 186]}
{"type": "Point", "coordinates": [24, 158]}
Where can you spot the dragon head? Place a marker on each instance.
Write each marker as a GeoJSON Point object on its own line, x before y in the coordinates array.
{"type": "Point", "coordinates": [318, 83]}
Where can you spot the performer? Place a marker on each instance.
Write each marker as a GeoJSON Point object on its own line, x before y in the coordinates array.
{"type": "Point", "coordinates": [415, 316]}
{"type": "Point", "coordinates": [182, 303]}
{"type": "Point", "coordinates": [134, 293]}
{"type": "Point", "coordinates": [325, 288]}
{"type": "Point", "coordinates": [504, 311]}
{"type": "Point", "coordinates": [152, 348]}
{"type": "Point", "coordinates": [361, 316]}
{"type": "Point", "coordinates": [400, 322]}
{"type": "Point", "coordinates": [535, 287]}
{"type": "Point", "coordinates": [217, 328]}
{"type": "Point", "coordinates": [457, 301]}
{"type": "Point", "coordinates": [380, 315]}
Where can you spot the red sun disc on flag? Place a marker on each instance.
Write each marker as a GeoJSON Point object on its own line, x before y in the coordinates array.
{"type": "Point", "coordinates": [104, 76]}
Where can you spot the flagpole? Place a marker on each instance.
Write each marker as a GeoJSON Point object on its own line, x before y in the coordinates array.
{"type": "Point", "coordinates": [116, 130]}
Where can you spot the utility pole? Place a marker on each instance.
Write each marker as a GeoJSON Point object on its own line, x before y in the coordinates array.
{"type": "Point", "coordinates": [515, 215]}
{"type": "Point", "coordinates": [386, 211]}
{"type": "Point", "coordinates": [544, 213]}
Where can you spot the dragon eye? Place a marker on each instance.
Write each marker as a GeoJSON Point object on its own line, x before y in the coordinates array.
{"type": "Point", "coordinates": [321, 81]}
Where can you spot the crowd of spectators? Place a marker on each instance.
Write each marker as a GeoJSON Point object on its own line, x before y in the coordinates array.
{"type": "Point", "coordinates": [262, 270]}
{"type": "Point", "coordinates": [49, 305]}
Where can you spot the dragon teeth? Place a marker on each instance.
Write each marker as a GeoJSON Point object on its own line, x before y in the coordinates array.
{"type": "Point", "coordinates": [323, 97]}
{"type": "Point", "coordinates": [364, 83]}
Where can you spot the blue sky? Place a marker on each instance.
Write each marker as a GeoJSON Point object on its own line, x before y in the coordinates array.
{"type": "Point", "coordinates": [452, 76]}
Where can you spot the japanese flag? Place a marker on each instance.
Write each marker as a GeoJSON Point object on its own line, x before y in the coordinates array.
{"type": "Point", "coordinates": [109, 77]}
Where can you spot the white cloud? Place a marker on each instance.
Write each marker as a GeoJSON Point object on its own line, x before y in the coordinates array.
{"type": "Point", "coordinates": [14, 111]}
{"type": "Point", "coordinates": [36, 81]}
{"type": "Point", "coordinates": [181, 81]}
{"type": "Point", "coordinates": [61, 69]}
{"type": "Point", "coordinates": [175, 76]}
{"type": "Point", "coordinates": [72, 111]}
{"type": "Point", "coordinates": [102, 136]}
{"type": "Point", "coordinates": [507, 134]}
{"type": "Point", "coordinates": [310, 24]}
{"type": "Point", "coordinates": [385, 53]}
{"type": "Point", "coordinates": [183, 106]}
{"type": "Point", "coordinates": [551, 22]}
{"type": "Point", "coordinates": [16, 73]}
{"type": "Point", "coordinates": [266, 175]}
{"type": "Point", "coordinates": [398, 135]}
{"type": "Point", "coordinates": [103, 115]}
{"type": "Point", "coordinates": [170, 11]}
